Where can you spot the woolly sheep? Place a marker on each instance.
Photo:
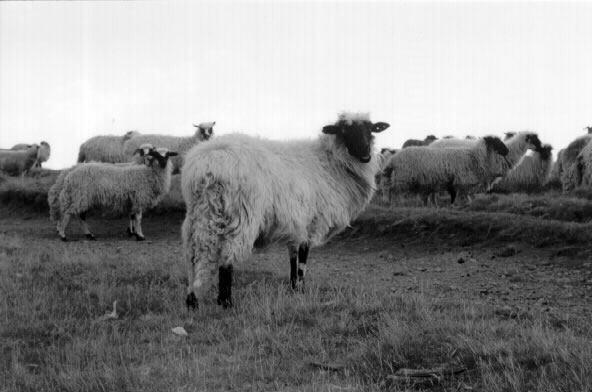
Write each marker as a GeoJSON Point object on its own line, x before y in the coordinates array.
{"type": "Point", "coordinates": [42, 155]}
{"type": "Point", "coordinates": [579, 173]}
{"type": "Point", "coordinates": [414, 142]}
{"type": "Point", "coordinates": [15, 163]}
{"type": "Point", "coordinates": [530, 175]}
{"type": "Point", "coordinates": [105, 148]}
{"type": "Point", "coordinates": [53, 195]}
{"type": "Point", "coordinates": [517, 144]}
{"type": "Point", "coordinates": [180, 144]}
{"type": "Point", "coordinates": [243, 191]}
{"type": "Point", "coordinates": [132, 188]}
{"type": "Point", "coordinates": [425, 170]}
{"type": "Point", "coordinates": [566, 162]}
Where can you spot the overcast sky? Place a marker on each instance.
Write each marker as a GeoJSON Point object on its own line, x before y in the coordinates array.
{"type": "Point", "coordinates": [72, 70]}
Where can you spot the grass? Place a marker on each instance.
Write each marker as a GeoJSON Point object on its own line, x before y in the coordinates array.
{"type": "Point", "coordinates": [52, 337]}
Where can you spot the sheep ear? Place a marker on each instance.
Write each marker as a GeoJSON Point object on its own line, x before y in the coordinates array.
{"type": "Point", "coordinates": [171, 154]}
{"type": "Point", "coordinates": [331, 129]}
{"type": "Point", "coordinates": [379, 127]}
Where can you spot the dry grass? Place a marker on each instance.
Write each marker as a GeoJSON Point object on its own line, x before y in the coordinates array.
{"type": "Point", "coordinates": [53, 338]}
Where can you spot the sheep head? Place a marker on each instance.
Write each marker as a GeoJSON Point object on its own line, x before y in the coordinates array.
{"type": "Point", "coordinates": [545, 152]}
{"type": "Point", "coordinates": [355, 130]}
{"type": "Point", "coordinates": [161, 155]}
{"type": "Point", "coordinates": [532, 140]}
{"type": "Point", "coordinates": [494, 143]}
{"type": "Point", "coordinates": [430, 138]}
{"type": "Point", "coordinates": [205, 130]}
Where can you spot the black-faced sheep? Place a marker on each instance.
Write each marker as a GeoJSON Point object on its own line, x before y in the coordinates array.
{"type": "Point", "coordinates": [530, 175]}
{"type": "Point", "coordinates": [243, 191]}
{"type": "Point", "coordinates": [118, 187]}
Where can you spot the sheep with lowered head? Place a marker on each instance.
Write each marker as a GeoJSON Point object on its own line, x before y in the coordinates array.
{"type": "Point", "coordinates": [15, 163]}
{"type": "Point", "coordinates": [105, 148]}
{"type": "Point", "coordinates": [130, 188]}
{"type": "Point", "coordinates": [180, 144]}
{"type": "Point", "coordinates": [242, 191]}
{"type": "Point", "coordinates": [567, 169]}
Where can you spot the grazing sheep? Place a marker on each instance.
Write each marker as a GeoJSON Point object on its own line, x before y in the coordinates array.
{"type": "Point", "coordinates": [425, 170]}
{"type": "Point", "coordinates": [180, 144]}
{"type": "Point", "coordinates": [123, 187]}
{"type": "Point", "coordinates": [16, 163]}
{"type": "Point", "coordinates": [414, 142]}
{"type": "Point", "coordinates": [42, 155]}
{"type": "Point", "coordinates": [567, 169]}
{"type": "Point", "coordinates": [243, 191]}
{"type": "Point", "coordinates": [105, 148]}
{"type": "Point", "coordinates": [530, 175]}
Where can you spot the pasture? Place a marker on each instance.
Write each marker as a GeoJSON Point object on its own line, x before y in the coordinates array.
{"type": "Point", "coordinates": [492, 297]}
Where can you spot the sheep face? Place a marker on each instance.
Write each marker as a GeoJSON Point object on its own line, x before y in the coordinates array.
{"type": "Point", "coordinates": [533, 141]}
{"type": "Point", "coordinates": [545, 152]}
{"type": "Point", "coordinates": [357, 136]}
{"type": "Point", "coordinates": [205, 130]}
{"type": "Point", "coordinates": [430, 138]}
{"type": "Point", "coordinates": [509, 135]}
{"type": "Point", "coordinates": [161, 155]}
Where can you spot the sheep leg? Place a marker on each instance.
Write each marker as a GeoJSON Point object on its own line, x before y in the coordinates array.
{"type": "Point", "coordinates": [131, 230]}
{"type": "Point", "coordinates": [293, 253]}
{"type": "Point", "coordinates": [138, 227]}
{"type": "Point", "coordinates": [201, 276]}
{"type": "Point", "coordinates": [302, 256]}
{"type": "Point", "coordinates": [62, 227]}
{"type": "Point", "coordinates": [225, 285]}
{"type": "Point", "coordinates": [85, 228]}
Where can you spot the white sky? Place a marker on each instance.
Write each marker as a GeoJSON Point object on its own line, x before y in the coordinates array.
{"type": "Point", "coordinates": [72, 70]}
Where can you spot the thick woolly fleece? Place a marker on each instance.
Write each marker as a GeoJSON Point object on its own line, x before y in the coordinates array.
{"type": "Point", "coordinates": [15, 163]}
{"type": "Point", "coordinates": [425, 170]}
{"type": "Point", "coordinates": [530, 175]}
{"type": "Point", "coordinates": [105, 148]}
{"type": "Point", "coordinates": [567, 169]}
{"type": "Point", "coordinates": [121, 188]}
{"type": "Point", "coordinates": [241, 190]}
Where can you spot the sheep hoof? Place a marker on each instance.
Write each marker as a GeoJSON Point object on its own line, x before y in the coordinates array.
{"type": "Point", "coordinates": [139, 237]}
{"type": "Point", "coordinates": [91, 237]}
{"type": "Point", "coordinates": [63, 238]}
{"type": "Point", "coordinates": [226, 302]}
{"type": "Point", "coordinates": [191, 301]}
{"type": "Point", "coordinates": [130, 232]}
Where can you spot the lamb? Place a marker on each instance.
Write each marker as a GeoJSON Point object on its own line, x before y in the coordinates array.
{"type": "Point", "coordinates": [132, 188]}
{"type": "Point", "coordinates": [53, 195]}
{"type": "Point", "coordinates": [414, 142]}
{"type": "Point", "coordinates": [530, 175]}
{"type": "Point", "coordinates": [42, 155]}
{"type": "Point", "coordinates": [15, 163]}
{"type": "Point", "coordinates": [427, 170]}
{"type": "Point", "coordinates": [566, 168]}
{"type": "Point", "coordinates": [105, 148]}
{"type": "Point", "coordinates": [242, 191]}
{"type": "Point", "coordinates": [180, 144]}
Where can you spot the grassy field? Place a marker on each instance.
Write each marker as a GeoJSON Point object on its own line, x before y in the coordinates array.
{"type": "Point", "coordinates": [342, 333]}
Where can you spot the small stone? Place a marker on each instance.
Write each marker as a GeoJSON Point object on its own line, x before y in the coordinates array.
{"type": "Point", "coordinates": [179, 331]}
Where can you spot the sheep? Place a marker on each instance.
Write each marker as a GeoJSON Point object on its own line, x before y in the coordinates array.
{"type": "Point", "coordinates": [566, 167]}
{"type": "Point", "coordinates": [105, 148]}
{"type": "Point", "coordinates": [15, 163]}
{"type": "Point", "coordinates": [426, 170]}
{"type": "Point", "coordinates": [242, 191]}
{"type": "Point", "coordinates": [530, 174]}
{"type": "Point", "coordinates": [579, 173]}
{"type": "Point", "coordinates": [129, 187]}
{"type": "Point", "coordinates": [180, 144]}
{"type": "Point", "coordinates": [53, 195]}
{"type": "Point", "coordinates": [385, 156]}
{"type": "Point", "coordinates": [42, 155]}
{"type": "Point", "coordinates": [517, 143]}
{"type": "Point", "coordinates": [414, 142]}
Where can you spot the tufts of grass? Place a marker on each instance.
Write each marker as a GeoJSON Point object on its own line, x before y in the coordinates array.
{"type": "Point", "coordinates": [52, 336]}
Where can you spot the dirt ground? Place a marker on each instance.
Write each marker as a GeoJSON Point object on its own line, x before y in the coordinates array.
{"type": "Point", "coordinates": [513, 277]}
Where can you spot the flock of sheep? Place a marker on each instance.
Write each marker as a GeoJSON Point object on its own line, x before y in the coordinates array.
{"type": "Point", "coordinates": [242, 192]}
